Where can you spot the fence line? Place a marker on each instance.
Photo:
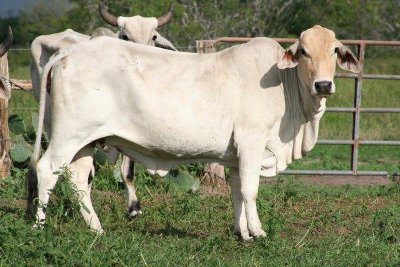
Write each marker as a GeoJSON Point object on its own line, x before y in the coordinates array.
{"type": "Point", "coordinates": [183, 48]}
{"type": "Point", "coordinates": [19, 49]}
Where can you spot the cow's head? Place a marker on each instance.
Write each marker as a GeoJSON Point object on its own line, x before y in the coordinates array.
{"type": "Point", "coordinates": [316, 53]}
{"type": "Point", "coordinates": [139, 29]}
{"type": "Point", "coordinates": [5, 90]}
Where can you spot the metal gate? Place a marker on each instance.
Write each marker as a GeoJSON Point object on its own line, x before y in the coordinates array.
{"type": "Point", "coordinates": [209, 46]}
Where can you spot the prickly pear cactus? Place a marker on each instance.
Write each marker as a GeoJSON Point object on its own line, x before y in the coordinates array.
{"type": "Point", "coordinates": [22, 138]}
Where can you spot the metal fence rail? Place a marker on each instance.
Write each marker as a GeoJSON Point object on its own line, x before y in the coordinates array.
{"type": "Point", "coordinates": [209, 46]}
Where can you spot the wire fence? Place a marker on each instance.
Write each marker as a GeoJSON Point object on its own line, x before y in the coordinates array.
{"type": "Point", "coordinates": [190, 48]}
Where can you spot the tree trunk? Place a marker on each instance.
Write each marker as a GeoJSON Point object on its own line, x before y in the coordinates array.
{"type": "Point", "coordinates": [5, 142]}
{"type": "Point", "coordinates": [214, 174]}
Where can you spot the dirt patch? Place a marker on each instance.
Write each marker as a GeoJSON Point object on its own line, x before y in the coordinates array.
{"type": "Point", "coordinates": [336, 180]}
{"type": "Point", "coordinates": [12, 206]}
{"type": "Point", "coordinates": [220, 189]}
{"type": "Point", "coordinates": [17, 203]}
{"type": "Point", "coordinates": [108, 194]}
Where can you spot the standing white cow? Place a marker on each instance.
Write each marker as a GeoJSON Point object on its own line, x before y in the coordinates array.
{"type": "Point", "coordinates": [136, 29]}
{"type": "Point", "coordinates": [263, 103]}
{"type": "Point", "coordinates": [5, 88]}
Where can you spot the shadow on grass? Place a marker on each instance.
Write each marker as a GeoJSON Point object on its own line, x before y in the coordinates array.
{"type": "Point", "coordinates": [9, 209]}
{"type": "Point", "coordinates": [171, 232]}
{"type": "Point", "coordinates": [12, 205]}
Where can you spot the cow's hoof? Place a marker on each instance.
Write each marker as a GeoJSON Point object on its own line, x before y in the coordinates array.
{"type": "Point", "coordinates": [244, 236]}
{"type": "Point", "coordinates": [134, 214]}
{"type": "Point", "coordinates": [98, 231]}
{"type": "Point", "coordinates": [134, 210]}
{"type": "Point", "coordinates": [38, 226]}
{"type": "Point", "coordinates": [259, 234]}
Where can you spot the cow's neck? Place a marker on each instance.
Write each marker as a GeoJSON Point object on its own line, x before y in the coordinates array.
{"type": "Point", "coordinates": [301, 104]}
{"type": "Point", "coordinates": [303, 113]}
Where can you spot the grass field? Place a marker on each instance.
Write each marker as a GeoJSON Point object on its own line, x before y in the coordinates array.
{"type": "Point", "coordinates": [306, 225]}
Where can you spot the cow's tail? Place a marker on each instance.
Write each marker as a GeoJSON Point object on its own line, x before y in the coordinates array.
{"type": "Point", "coordinates": [31, 180]}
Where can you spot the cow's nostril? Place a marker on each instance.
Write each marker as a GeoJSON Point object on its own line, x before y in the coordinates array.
{"type": "Point", "coordinates": [323, 87]}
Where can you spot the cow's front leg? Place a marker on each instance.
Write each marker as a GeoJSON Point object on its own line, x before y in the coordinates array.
{"type": "Point", "coordinates": [238, 204]}
{"type": "Point", "coordinates": [249, 178]}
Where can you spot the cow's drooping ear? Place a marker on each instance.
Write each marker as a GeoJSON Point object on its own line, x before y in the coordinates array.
{"type": "Point", "coordinates": [121, 35]}
{"type": "Point", "coordinates": [288, 58]}
{"type": "Point", "coordinates": [162, 42]}
{"type": "Point", "coordinates": [5, 92]}
{"type": "Point", "coordinates": [347, 60]}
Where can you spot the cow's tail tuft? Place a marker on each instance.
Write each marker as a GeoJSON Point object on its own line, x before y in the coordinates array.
{"type": "Point", "coordinates": [32, 191]}
{"type": "Point", "coordinates": [31, 179]}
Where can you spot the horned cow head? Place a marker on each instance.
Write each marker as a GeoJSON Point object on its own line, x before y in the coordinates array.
{"type": "Point", "coordinates": [315, 54]}
{"type": "Point", "coordinates": [138, 29]}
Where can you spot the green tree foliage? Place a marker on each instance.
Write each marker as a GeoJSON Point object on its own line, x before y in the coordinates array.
{"type": "Point", "coordinates": [205, 19]}
{"type": "Point", "coordinates": [350, 19]}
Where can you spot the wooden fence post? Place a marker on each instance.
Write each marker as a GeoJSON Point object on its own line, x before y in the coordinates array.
{"type": "Point", "coordinates": [5, 142]}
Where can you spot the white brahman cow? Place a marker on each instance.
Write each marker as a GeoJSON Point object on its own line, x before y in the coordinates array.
{"type": "Point", "coordinates": [253, 107]}
{"type": "Point", "coordinates": [136, 29]}
{"type": "Point", "coordinates": [5, 88]}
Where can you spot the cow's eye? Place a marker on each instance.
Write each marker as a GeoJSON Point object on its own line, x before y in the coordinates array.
{"type": "Point", "coordinates": [154, 37]}
{"type": "Point", "coordinates": [304, 53]}
{"type": "Point", "coordinates": [125, 37]}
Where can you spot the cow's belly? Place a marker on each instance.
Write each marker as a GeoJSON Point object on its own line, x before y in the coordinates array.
{"type": "Point", "coordinates": [169, 144]}
{"type": "Point", "coordinates": [166, 142]}
{"type": "Point", "coordinates": [160, 161]}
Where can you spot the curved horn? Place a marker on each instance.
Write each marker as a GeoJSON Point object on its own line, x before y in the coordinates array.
{"type": "Point", "coordinates": [109, 18]}
{"type": "Point", "coordinates": [7, 42]}
{"type": "Point", "coordinates": [166, 18]}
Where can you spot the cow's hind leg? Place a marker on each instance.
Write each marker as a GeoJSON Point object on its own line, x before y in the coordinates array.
{"type": "Point", "coordinates": [81, 169]}
{"type": "Point", "coordinates": [46, 180]}
{"type": "Point", "coordinates": [46, 168]}
{"type": "Point", "coordinates": [128, 175]}
{"type": "Point", "coordinates": [57, 155]}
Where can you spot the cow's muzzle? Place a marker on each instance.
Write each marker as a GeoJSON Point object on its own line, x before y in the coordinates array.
{"type": "Point", "coordinates": [324, 88]}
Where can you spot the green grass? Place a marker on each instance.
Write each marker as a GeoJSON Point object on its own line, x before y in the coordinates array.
{"type": "Point", "coordinates": [306, 226]}
{"type": "Point", "coordinates": [18, 61]}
